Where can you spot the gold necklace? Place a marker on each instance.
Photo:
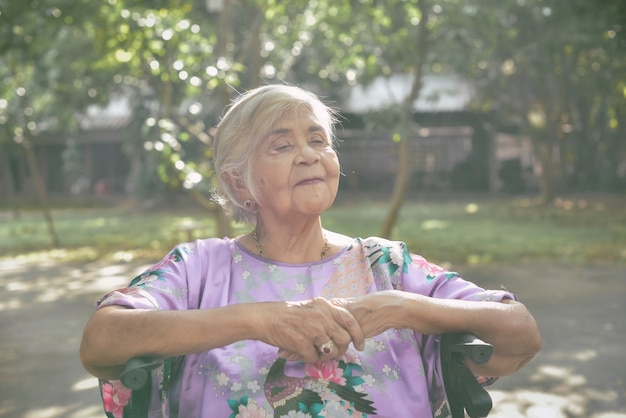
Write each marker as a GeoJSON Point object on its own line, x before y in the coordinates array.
{"type": "Point", "coordinates": [260, 250]}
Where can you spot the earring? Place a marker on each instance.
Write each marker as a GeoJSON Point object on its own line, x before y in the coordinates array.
{"type": "Point", "coordinates": [248, 204]}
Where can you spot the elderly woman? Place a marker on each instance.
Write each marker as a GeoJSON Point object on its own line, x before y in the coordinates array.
{"type": "Point", "coordinates": [291, 319]}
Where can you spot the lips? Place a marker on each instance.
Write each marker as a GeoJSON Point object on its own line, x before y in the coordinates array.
{"type": "Point", "coordinates": [308, 181]}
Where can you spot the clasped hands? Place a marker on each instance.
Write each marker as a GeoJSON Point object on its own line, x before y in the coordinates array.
{"type": "Point", "coordinates": [322, 329]}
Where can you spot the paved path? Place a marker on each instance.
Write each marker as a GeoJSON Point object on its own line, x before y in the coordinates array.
{"type": "Point", "coordinates": [580, 373]}
{"type": "Point", "coordinates": [43, 308]}
{"type": "Point", "coordinates": [581, 370]}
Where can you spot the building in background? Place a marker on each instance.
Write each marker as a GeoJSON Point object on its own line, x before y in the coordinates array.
{"type": "Point", "coordinates": [454, 149]}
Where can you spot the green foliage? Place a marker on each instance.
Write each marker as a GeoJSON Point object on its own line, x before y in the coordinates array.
{"type": "Point", "coordinates": [554, 69]}
{"type": "Point", "coordinates": [560, 61]}
{"type": "Point", "coordinates": [44, 84]}
{"type": "Point", "coordinates": [575, 230]}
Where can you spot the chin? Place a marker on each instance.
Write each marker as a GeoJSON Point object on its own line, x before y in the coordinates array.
{"type": "Point", "coordinates": [318, 208]}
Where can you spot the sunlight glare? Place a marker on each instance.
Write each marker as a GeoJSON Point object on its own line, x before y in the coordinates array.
{"type": "Point", "coordinates": [17, 287]}
{"type": "Point", "coordinates": [434, 224]}
{"type": "Point", "coordinates": [471, 208]}
{"type": "Point", "coordinates": [585, 355]}
{"type": "Point", "coordinates": [11, 304]}
{"type": "Point", "coordinates": [89, 383]}
{"type": "Point", "coordinates": [51, 412]}
{"type": "Point", "coordinates": [554, 371]}
{"type": "Point", "coordinates": [50, 295]}
{"type": "Point", "coordinates": [88, 412]}
{"type": "Point", "coordinates": [125, 256]}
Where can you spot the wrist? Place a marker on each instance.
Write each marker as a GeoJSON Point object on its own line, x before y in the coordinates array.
{"type": "Point", "coordinates": [255, 319]}
{"type": "Point", "coordinates": [397, 309]}
{"type": "Point", "coordinates": [378, 312]}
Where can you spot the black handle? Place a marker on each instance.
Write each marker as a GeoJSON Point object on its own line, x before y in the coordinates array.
{"type": "Point", "coordinates": [137, 371]}
{"type": "Point", "coordinates": [463, 391]}
{"type": "Point", "coordinates": [469, 345]}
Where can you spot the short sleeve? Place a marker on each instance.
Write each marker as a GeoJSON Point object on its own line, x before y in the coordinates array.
{"type": "Point", "coordinates": [432, 280]}
{"type": "Point", "coordinates": [165, 285]}
{"type": "Point", "coordinates": [191, 276]}
{"type": "Point", "coordinates": [395, 266]}
{"type": "Point", "coordinates": [177, 282]}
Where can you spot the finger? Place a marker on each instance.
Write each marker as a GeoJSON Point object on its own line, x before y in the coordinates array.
{"type": "Point", "coordinates": [310, 354]}
{"type": "Point", "coordinates": [327, 348]}
{"type": "Point", "coordinates": [289, 355]}
{"type": "Point", "coordinates": [309, 351]}
{"type": "Point", "coordinates": [346, 320]}
{"type": "Point", "coordinates": [340, 338]}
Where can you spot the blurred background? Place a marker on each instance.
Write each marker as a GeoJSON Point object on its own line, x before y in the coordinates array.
{"type": "Point", "coordinates": [488, 135]}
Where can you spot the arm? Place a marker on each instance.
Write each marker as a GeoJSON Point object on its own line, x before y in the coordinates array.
{"type": "Point", "coordinates": [115, 334]}
{"type": "Point", "coordinates": [507, 325]}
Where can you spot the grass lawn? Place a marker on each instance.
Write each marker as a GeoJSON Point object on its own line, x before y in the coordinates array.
{"type": "Point", "coordinates": [456, 230]}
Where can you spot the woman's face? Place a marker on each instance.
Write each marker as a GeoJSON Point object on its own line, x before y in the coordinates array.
{"type": "Point", "coordinates": [295, 169]}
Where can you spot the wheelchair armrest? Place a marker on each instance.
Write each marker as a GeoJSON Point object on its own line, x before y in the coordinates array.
{"type": "Point", "coordinates": [463, 391]}
{"type": "Point", "coordinates": [137, 372]}
{"type": "Point", "coordinates": [468, 345]}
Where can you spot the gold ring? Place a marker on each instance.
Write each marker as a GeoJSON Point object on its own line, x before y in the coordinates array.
{"type": "Point", "coordinates": [327, 347]}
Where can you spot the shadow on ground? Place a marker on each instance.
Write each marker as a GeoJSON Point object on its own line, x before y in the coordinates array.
{"type": "Point", "coordinates": [581, 369]}
{"type": "Point", "coordinates": [43, 308]}
{"type": "Point", "coordinates": [579, 374]}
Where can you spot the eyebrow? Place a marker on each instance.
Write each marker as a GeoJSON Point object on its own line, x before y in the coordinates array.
{"type": "Point", "coordinates": [281, 131]}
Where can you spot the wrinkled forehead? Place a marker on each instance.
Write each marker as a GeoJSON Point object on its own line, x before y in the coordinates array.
{"type": "Point", "coordinates": [302, 113]}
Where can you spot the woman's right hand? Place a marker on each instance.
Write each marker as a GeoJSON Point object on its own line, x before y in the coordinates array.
{"type": "Point", "coordinates": [301, 329]}
{"type": "Point", "coordinates": [114, 334]}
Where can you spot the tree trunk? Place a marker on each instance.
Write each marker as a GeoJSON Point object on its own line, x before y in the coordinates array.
{"type": "Point", "coordinates": [40, 189]}
{"type": "Point", "coordinates": [403, 172]}
{"type": "Point", "coordinates": [9, 181]}
{"type": "Point", "coordinates": [400, 186]}
{"type": "Point", "coordinates": [548, 154]}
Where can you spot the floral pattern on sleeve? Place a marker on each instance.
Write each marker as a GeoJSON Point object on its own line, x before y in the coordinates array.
{"type": "Point", "coordinates": [157, 271]}
{"type": "Point", "coordinates": [394, 258]}
{"type": "Point", "coordinates": [118, 400]}
{"type": "Point", "coordinates": [115, 397]}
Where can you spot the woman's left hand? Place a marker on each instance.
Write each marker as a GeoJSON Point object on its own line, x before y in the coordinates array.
{"type": "Point", "coordinates": [374, 312]}
{"type": "Point", "coordinates": [370, 312]}
{"type": "Point", "coordinates": [507, 325]}
{"type": "Point", "coordinates": [312, 330]}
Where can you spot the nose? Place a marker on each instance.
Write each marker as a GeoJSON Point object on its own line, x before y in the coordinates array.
{"type": "Point", "coordinates": [307, 155]}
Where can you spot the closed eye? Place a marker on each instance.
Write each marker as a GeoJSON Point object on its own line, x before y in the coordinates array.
{"type": "Point", "coordinates": [280, 144]}
{"type": "Point", "coordinates": [318, 139]}
{"type": "Point", "coordinates": [282, 147]}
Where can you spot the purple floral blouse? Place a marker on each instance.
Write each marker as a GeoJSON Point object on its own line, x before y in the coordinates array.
{"type": "Point", "coordinates": [398, 373]}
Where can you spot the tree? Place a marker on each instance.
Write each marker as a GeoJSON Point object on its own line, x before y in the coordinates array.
{"type": "Point", "coordinates": [35, 95]}
{"type": "Point", "coordinates": [355, 42]}
{"type": "Point", "coordinates": [554, 69]}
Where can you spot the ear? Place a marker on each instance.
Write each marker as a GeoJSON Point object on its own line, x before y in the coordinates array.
{"type": "Point", "coordinates": [234, 179]}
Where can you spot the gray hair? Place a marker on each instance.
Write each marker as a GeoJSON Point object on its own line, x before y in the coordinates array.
{"type": "Point", "coordinates": [245, 125]}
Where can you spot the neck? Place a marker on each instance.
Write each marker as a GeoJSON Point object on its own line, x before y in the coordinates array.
{"type": "Point", "coordinates": [260, 250]}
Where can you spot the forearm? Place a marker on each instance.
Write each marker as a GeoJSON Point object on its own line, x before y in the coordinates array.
{"type": "Point", "coordinates": [114, 335]}
{"type": "Point", "coordinates": [507, 326]}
